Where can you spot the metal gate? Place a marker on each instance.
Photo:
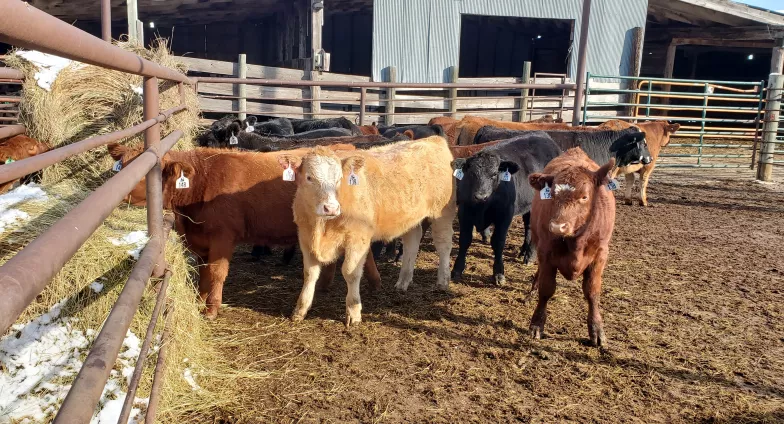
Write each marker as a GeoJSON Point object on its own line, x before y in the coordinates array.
{"type": "Point", "coordinates": [721, 121]}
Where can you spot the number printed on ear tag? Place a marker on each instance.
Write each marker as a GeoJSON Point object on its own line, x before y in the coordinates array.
{"type": "Point", "coordinates": [288, 174]}
{"type": "Point", "coordinates": [506, 176]}
{"type": "Point", "coordinates": [613, 184]}
{"type": "Point", "coordinates": [249, 128]}
{"type": "Point", "coordinates": [458, 174]}
{"type": "Point", "coordinates": [545, 193]}
{"type": "Point", "coordinates": [117, 167]}
{"type": "Point", "coordinates": [233, 140]}
{"type": "Point", "coordinates": [183, 182]}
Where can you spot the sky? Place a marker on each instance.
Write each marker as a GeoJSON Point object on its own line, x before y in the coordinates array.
{"type": "Point", "coordinates": [767, 4]}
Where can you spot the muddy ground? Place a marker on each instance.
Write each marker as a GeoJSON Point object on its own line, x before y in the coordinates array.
{"type": "Point", "coordinates": [693, 305]}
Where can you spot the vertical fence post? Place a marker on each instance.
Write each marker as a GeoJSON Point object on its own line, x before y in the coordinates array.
{"type": "Point", "coordinates": [133, 15]}
{"type": "Point", "coordinates": [106, 20]}
{"type": "Point", "coordinates": [771, 128]}
{"type": "Point", "coordinates": [139, 33]}
{"type": "Point", "coordinates": [587, 92]}
{"type": "Point", "coordinates": [453, 77]}
{"type": "Point", "coordinates": [582, 54]}
{"type": "Point", "coordinates": [242, 89]}
{"type": "Point", "coordinates": [152, 138]}
{"type": "Point", "coordinates": [706, 92]}
{"type": "Point", "coordinates": [362, 105]}
{"type": "Point", "coordinates": [758, 122]}
{"type": "Point", "coordinates": [390, 106]}
{"type": "Point", "coordinates": [524, 92]}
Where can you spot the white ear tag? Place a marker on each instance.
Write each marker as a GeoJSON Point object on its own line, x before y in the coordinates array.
{"type": "Point", "coordinates": [233, 140]}
{"type": "Point", "coordinates": [352, 178]}
{"type": "Point", "coordinates": [288, 174]}
{"type": "Point", "coordinates": [117, 166]}
{"type": "Point", "coordinates": [613, 184]}
{"type": "Point", "coordinates": [458, 173]}
{"type": "Point", "coordinates": [183, 182]}
{"type": "Point", "coordinates": [545, 193]}
{"type": "Point", "coordinates": [249, 128]}
{"type": "Point", "coordinates": [506, 176]}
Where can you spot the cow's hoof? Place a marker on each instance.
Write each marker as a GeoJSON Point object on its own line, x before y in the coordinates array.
{"type": "Point", "coordinates": [400, 287]}
{"type": "Point", "coordinates": [644, 204]}
{"type": "Point", "coordinates": [598, 339]}
{"type": "Point", "coordinates": [500, 280]}
{"type": "Point", "coordinates": [457, 276]}
{"type": "Point", "coordinates": [210, 313]}
{"type": "Point", "coordinates": [535, 331]}
{"type": "Point", "coordinates": [353, 315]}
{"type": "Point", "coordinates": [297, 317]}
{"type": "Point", "coordinates": [628, 202]}
{"type": "Point", "coordinates": [443, 287]}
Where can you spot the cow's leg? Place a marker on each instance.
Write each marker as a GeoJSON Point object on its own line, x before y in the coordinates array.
{"type": "Point", "coordinates": [645, 175]}
{"type": "Point", "coordinates": [592, 288]}
{"type": "Point", "coordinates": [371, 273]}
{"type": "Point", "coordinates": [312, 269]}
{"type": "Point", "coordinates": [466, 237]}
{"type": "Point", "coordinates": [375, 249]}
{"type": "Point", "coordinates": [215, 270]}
{"type": "Point", "coordinates": [288, 255]}
{"type": "Point", "coordinates": [259, 251]}
{"type": "Point", "coordinates": [411, 241]}
{"type": "Point", "coordinates": [628, 189]}
{"type": "Point", "coordinates": [352, 273]}
{"type": "Point", "coordinates": [545, 281]}
{"type": "Point", "coordinates": [442, 232]}
{"type": "Point", "coordinates": [528, 250]}
{"type": "Point", "coordinates": [498, 242]}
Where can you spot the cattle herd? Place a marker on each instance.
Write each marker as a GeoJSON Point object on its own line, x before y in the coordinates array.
{"type": "Point", "coordinates": [338, 190]}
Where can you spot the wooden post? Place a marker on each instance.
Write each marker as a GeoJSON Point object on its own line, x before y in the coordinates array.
{"type": "Point", "coordinates": [139, 33]}
{"type": "Point", "coordinates": [777, 61]}
{"type": "Point", "coordinates": [106, 20]}
{"type": "Point", "coordinates": [362, 105]}
{"type": "Point", "coordinates": [772, 116]}
{"type": "Point", "coordinates": [242, 89]}
{"type": "Point", "coordinates": [316, 24]}
{"type": "Point", "coordinates": [582, 57]}
{"type": "Point", "coordinates": [669, 66]}
{"type": "Point", "coordinates": [637, 48]}
{"type": "Point", "coordinates": [524, 92]}
{"type": "Point", "coordinates": [453, 77]}
{"type": "Point", "coordinates": [133, 16]}
{"type": "Point", "coordinates": [390, 106]}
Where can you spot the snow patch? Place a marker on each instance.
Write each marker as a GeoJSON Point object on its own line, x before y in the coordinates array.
{"type": "Point", "coordinates": [138, 90]}
{"type": "Point", "coordinates": [48, 65]}
{"type": "Point", "coordinates": [96, 286]}
{"type": "Point", "coordinates": [190, 378]}
{"type": "Point", "coordinates": [9, 215]}
{"type": "Point", "coordinates": [137, 238]}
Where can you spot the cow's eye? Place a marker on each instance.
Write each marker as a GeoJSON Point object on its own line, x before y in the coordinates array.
{"type": "Point", "coordinates": [584, 198]}
{"type": "Point", "coordinates": [308, 178]}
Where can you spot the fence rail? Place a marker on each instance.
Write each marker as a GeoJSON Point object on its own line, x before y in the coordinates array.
{"type": "Point", "coordinates": [26, 274]}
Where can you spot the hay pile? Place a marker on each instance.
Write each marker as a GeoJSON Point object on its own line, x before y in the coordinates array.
{"type": "Point", "coordinates": [87, 100]}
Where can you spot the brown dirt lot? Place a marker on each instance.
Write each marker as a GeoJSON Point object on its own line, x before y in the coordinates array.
{"type": "Point", "coordinates": [693, 305]}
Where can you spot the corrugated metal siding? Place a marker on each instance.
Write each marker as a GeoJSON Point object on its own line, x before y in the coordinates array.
{"type": "Point", "coordinates": [422, 37]}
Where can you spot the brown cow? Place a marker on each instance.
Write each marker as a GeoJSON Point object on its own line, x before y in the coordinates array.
{"type": "Point", "coordinates": [572, 220]}
{"type": "Point", "coordinates": [232, 198]}
{"type": "Point", "coordinates": [17, 148]}
{"type": "Point", "coordinates": [470, 125]}
{"type": "Point", "coordinates": [346, 200]}
{"type": "Point", "coordinates": [450, 127]}
{"type": "Point", "coordinates": [369, 129]}
{"type": "Point", "coordinates": [657, 136]}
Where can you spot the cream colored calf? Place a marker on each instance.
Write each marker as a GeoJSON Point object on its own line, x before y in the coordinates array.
{"type": "Point", "coordinates": [344, 201]}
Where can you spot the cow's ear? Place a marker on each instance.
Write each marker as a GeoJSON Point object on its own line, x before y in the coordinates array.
{"type": "Point", "coordinates": [174, 170]}
{"type": "Point", "coordinates": [252, 120]}
{"type": "Point", "coordinates": [672, 128]}
{"type": "Point", "coordinates": [33, 149]}
{"type": "Point", "coordinates": [354, 163]}
{"type": "Point", "coordinates": [458, 163]}
{"type": "Point", "coordinates": [538, 180]}
{"type": "Point", "coordinates": [116, 150]}
{"type": "Point", "coordinates": [508, 166]}
{"type": "Point", "coordinates": [409, 134]}
{"type": "Point", "coordinates": [374, 124]}
{"type": "Point", "coordinates": [604, 174]}
{"type": "Point", "coordinates": [289, 161]}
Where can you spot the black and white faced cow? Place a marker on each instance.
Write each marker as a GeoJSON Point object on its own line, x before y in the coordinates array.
{"type": "Point", "coordinates": [492, 188]}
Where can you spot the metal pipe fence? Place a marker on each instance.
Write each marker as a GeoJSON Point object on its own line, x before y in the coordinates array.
{"type": "Point", "coordinates": [723, 118]}
{"type": "Point", "coordinates": [27, 273]}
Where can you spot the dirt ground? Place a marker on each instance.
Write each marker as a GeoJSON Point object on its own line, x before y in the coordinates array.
{"type": "Point", "coordinates": [693, 305]}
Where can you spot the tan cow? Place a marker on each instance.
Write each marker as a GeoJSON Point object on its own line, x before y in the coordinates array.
{"type": "Point", "coordinates": [657, 135]}
{"type": "Point", "coordinates": [346, 200]}
{"type": "Point", "coordinates": [470, 125]}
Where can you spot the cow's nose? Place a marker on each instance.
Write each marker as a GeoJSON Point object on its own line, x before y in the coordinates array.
{"type": "Point", "coordinates": [646, 160]}
{"type": "Point", "coordinates": [558, 228]}
{"type": "Point", "coordinates": [480, 197]}
{"type": "Point", "coordinates": [331, 210]}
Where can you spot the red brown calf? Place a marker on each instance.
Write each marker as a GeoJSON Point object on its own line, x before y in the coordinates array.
{"type": "Point", "coordinates": [230, 198]}
{"type": "Point", "coordinates": [17, 148]}
{"type": "Point", "coordinates": [572, 219]}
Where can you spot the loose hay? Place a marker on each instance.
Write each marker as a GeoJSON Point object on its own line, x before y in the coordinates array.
{"type": "Point", "coordinates": [88, 100]}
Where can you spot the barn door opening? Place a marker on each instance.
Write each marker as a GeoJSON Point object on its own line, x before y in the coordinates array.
{"type": "Point", "coordinates": [497, 46]}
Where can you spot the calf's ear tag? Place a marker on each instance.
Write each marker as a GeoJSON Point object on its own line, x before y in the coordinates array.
{"type": "Point", "coordinates": [613, 184]}
{"type": "Point", "coordinates": [233, 140]}
{"type": "Point", "coordinates": [288, 174]}
{"type": "Point", "coordinates": [9, 160]}
{"type": "Point", "coordinates": [458, 174]}
{"type": "Point", "coordinates": [352, 178]}
{"type": "Point", "coordinates": [545, 193]}
{"type": "Point", "coordinates": [183, 181]}
{"type": "Point", "coordinates": [506, 176]}
{"type": "Point", "coordinates": [249, 128]}
{"type": "Point", "coordinates": [116, 167]}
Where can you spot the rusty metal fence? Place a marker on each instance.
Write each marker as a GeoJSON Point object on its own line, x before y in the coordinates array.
{"type": "Point", "coordinates": [26, 274]}
{"type": "Point", "coordinates": [10, 86]}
